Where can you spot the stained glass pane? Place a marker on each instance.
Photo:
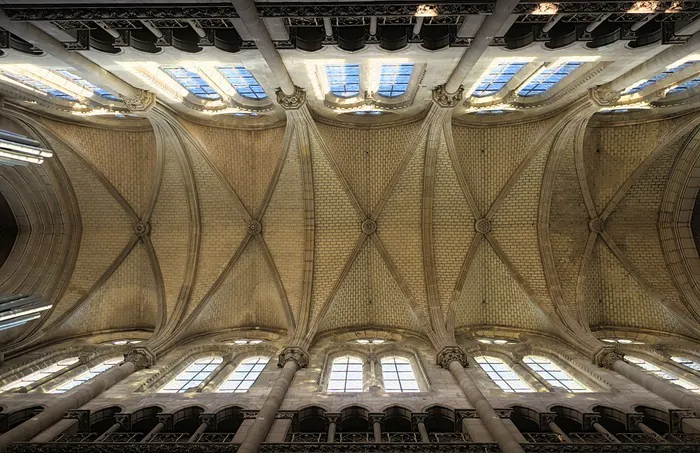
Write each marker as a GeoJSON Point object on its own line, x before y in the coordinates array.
{"type": "Point", "coordinates": [547, 78]}
{"type": "Point", "coordinates": [344, 79]}
{"type": "Point", "coordinates": [497, 78]}
{"type": "Point", "coordinates": [394, 79]}
{"type": "Point", "coordinates": [192, 82]}
{"type": "Point", "coordinates": [244, 82]}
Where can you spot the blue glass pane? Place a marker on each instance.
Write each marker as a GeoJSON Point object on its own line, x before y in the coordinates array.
{"type": "Point", "coordinates": [192, 82]}
{"type": "Point", "coordinates": [243, 81]}
{"type": "Point", "coordinates": [39, 85]}
{"type": "Point", "coordinates": [344, 79]}
{"type": "Point", "coordinates": [490, 112]}
{"type": "Point", "coordinates": [90, 86]}
{"type": "Point", "coordinates": [497, 78]}
{"type": "Point", "coordinates": [659, 76]}
{"type": "Point", "coordinates": [394, 79]}
{"type": "Point", "coordinates": [549, 77]}
{"type": "Point", "coordinates": [693, 83]}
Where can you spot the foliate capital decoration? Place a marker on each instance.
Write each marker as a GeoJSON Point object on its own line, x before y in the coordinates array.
{"type": "Point", "coordinates": [466, 413]}
{"type": "Point", "coordinates": [589, 419]}
{"type": "Point", "coordinates": [633, 420]}
{"type": "Point", "coordinates": [166, 420]}
{"type": "Point", "coordinates": [451, 354]}
{"type": "Point", "coordinates": [286, 415]}
{"type": "Point", "coordinates": [292, 101]}
{"type": "Point", "coordinates": [445, 99]}
{"type": "Point", "coordinates": [418, 417]}
{"type": "Point", "coordinates": [605, 357]}
{"type": "Point", "coordinates": [124, 420]}
{"type": "Point", "coordinates": [676, 416]}
{"type": "Point", "coordinates": [83, 417]}
{"type": "Point", "coordinates": [142, 102]}
{"type": "Point", "coordinates": [604, 96]}
{"type": "Point", "coordinates": [503, 413]}
{"type": "Point", "coordinates": [545, 419]}
{"type": "Point", "coordinates": [249, 414]}
{"type": "Point", "coordinates": [209, 419]}
{"type": "Point", "coordinates": [300, 356]}
{"type": "Point", "coordinates": [141, 356]}
{"type": "Point", "coordinates": [333, 417]}
{"type": "Point", "coordinates": [376, 417]}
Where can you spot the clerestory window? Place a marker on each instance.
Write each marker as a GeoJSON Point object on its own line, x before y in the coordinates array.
{"type": "Point", "coordinates": [86, 376]}
{"type": "Point", "coordinates": [244, 376]}
{"type": "Point", "coordinates": [394, 79]}
{"type": "Point", "coordinates": [41, 374]}
{"type": "Point", "coordinates": [398, 375]}
{"type": "Point", "coordinates": [497, 77]}
{"type": "Point", "coordinates": [346, 375]}
{"type": "Point", "coordinates": [243, 81]}
{"type": "Point", "coordinates": [344, 79]}
{"type": "Point", "coordinates": [547, 78]}
{"type": "Point", "coordinates": [655, 370]}
{"type": "Point", "coordinates": [196, 373]}
{"type": "Point", "coordinates": [502, 375]}
{"type": "Point", "coordinates": [553, 374]}
{"type": "Point", "coordinates": [193, 82]}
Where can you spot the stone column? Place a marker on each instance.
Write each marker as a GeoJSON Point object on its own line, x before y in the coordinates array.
{"type": "Point", "coordinates": [291, 359]}
{"type": "Point", "coordinates": [598, 427]}
{"type": "Point", "coordinates": [488, 30]}
{"type": "Point", "coordinates": [205, 421]}
{"type": "Point", "coordinates": [332, 418]}
{"type": "Point", "coordinates": [454, 359]}
{"type": "Point", "coordinates": [136, 359]}
{"type": "Point", "coordinates": [547, 422]}
{"type": "Point", "coordinates": [637, 421]}
{"type": "Point", "coordinates": [614, 360]}
{"type": "Point", "coordinates": [165, 421]}
{"type": "Point", "coordinates": [418, 419]}
{"type": "Point", "coordinates": [112, 429]}
{"type": "Point", "coordinates": [249, 15]}
{"type": "Point", "coordinates": [376, 418]}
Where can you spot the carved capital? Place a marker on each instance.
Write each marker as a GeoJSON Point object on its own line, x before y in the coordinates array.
{"type": "Point", "coordinates": [369, 226]}
{"type": "Point", "coordinates": [597, 225]}
{"type": "Point", "coordinates": [124, 420]}
{"type": "Point", "coordinates": [676, 416]}
{"type": "Point", "coordinates": [166, 420]}
{"type": "Point", "coordinates": [142, 102]}
{"type": "Point", "coordinates": [418, 417]}
{"type": "Point", "coordinates": [545, 419]}
{"type": "Point", "coordinates": [286, 415]}
{"type": "Point", "coordinates": [633, 420]}
{"type": "Point", "coordinates": [83, 417]}
{"type": "Point", "coordinates": [466, 413]}
{"type": "Point", "coordinates": [605, 357]}
{"type": "Point", "coordinates": [450, 354]}
{"type": "Point", "coordinates": [209, 419]}
{"type": "Point", "coordinates": [603, 96]}
{"type": "Point", "coordinates": [300, 356]}
{"type": "Point", "coordinates": [482, 226]}
{"type": "Point", "coordinates": [376, 417]}
{"type": "Point", "coordinates": [589, 419]}
{"type": "Point", "coordinates": [503, 413]}
{"type": "Point", "coordinates": [249, 415]}
{"type": "Point", "coordinates": [292, 101]}
{"type": "Point", "coordinates": [333, 417]}
{"type": "Point", "coordinates": [141, 356]}
{"type": "Point", "coordinates": [445, 99]}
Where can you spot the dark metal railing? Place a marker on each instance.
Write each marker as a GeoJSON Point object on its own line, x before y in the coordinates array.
{"type": "Point", "coordinates": [308, 437]}
{"type": "Point", "coordinates": [401, 438]}
{"type": "Point", "coordinates": [450, 438]}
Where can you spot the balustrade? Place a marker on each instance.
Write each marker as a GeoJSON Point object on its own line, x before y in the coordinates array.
{"type": "Point", "coordinates": [450, 438]}
{"type": "Point", "coordinates": [355, 438]}
{"type": "Point", "coordinates": [401, 438]}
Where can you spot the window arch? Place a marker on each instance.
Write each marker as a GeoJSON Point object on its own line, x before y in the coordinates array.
{"type": "Point", "coordinates": [243, 81]}
{"type": "Point", "coordinates": [36, 84]}
{"type": "Point", "coordinates": [87, 84]}
{"type": "Point", "coordinates": [86, 376]}
{"type": "Point", "coordinates": [344, 79]}
{"type": "Point", "coordinates": [655, 370]}
{"type": "Point", "coordinates": [41, 374]}
{"type": "Point", "coordinates": [192, 82]}
{"type": "Point", "coordinates": [502, 375]}
{"type": "Point", "coordinates": [398, 375]}
{"type": "Point", "coordinates": [546, 78]}
{"type": "Point", "coordinates": [193, 375]}
{"type": "Point", "coordinates": [497, 77]}
{"type": "Point", "coordinates": [346, 375]}
{"type": "Point", "coordinates": [693, 365]}
{"type": "Point", "coordinates": [244, 376]}
{"type": "Point", "coordinates": [552, 373]}
{"type": "Point", "coordinates": [394, 79]}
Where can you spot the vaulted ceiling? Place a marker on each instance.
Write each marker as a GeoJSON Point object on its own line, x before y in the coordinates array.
{"type": "Point", "coordinates": [434, 227]}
